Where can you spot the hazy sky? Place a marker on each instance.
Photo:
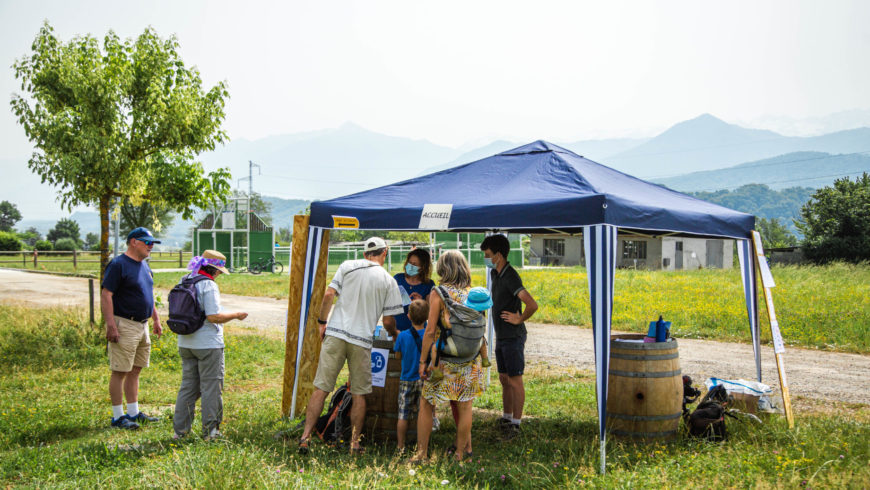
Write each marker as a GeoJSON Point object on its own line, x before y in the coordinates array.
{"type": "Point", "coordinates": [454, 72]}
{"type": "Point", "coordinates": [460, 72]}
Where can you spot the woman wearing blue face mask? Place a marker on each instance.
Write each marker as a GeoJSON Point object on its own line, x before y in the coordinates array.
{"type": "Point", "coordinates": [415, 281]}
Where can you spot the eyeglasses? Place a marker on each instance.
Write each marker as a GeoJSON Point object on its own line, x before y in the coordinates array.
{"type": "Point", "coordinates": [148, 243]}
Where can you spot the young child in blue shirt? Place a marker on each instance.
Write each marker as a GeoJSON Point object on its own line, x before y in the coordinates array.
{"type": "Point", "coordinates": [409, 343]}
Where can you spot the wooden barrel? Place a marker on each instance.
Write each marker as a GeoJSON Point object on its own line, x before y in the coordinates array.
{"type": "Point", "coordinates": [645, 389]}
{"type": "Point", "coordinates": [382, 404]}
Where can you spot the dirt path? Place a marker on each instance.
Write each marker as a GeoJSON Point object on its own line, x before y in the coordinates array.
{"type": "Point", "coordinates": [812, 374]}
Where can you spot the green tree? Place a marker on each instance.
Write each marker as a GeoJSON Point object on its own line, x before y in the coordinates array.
{"type": "Point", "coordinates": [774, 234]}
{"type": "Point", "coordinates": [64, 228]}
{"type": "Point", "coordinates": [9, 215]}
{"type": "Point", "coordinates": [67, 244]}
{"type": "Point", "coordinates": [30, 236]}
{"type": "Point", "coordinates": [122, 120]}
{"type": "Point", "coordinates": [154, 217]}
{"type": "Point", "coordinates": [92, 241]}
{"type": "Point", "coordinates": [836, 222]}
{"type": "Point", "coordinates": [43, 245]}
{"type": "Point", "coordinates": [9, 241]}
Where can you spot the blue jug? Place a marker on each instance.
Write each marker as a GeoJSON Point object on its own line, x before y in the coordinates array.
{"type": "Point", "coordinates": [663, 329]}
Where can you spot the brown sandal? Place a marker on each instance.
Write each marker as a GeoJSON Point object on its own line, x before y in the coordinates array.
{"type": "Point", "coordinates": [303, 446]}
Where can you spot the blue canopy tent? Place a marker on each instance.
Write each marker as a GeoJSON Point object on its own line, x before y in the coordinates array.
{"type": "Point", "coordinates": [542, 187]}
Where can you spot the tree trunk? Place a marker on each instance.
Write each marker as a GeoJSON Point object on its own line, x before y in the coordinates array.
{"type": "Point", "coordinates": [104, 233]}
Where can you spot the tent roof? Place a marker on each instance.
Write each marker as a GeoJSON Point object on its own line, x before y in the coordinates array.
{"type": "Point", "coordinates": [532, 189]}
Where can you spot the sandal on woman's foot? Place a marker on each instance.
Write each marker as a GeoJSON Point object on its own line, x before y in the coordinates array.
{"type": "Point", "coordinates": [303, 446]}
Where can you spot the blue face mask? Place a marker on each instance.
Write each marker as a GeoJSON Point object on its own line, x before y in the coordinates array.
{"type": "Point", "coordinates": [411, 269]}
{"type": "Point", "coordinates": [488, 262]}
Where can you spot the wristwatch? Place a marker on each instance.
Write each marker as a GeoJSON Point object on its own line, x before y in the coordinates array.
{"type": "Point", "coordinates": [322, 322]}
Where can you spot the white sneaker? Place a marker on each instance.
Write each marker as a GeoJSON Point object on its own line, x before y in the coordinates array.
{"type": "Point", "coordinates": [214, 434]}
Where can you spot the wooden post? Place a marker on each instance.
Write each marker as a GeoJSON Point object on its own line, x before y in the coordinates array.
{"type": "Point", "coordinates": [75, 260]}
{"type": "Point", "coordinates": [180, 258]}
{"type": "Point", "coordinates": [778, 347]}
{"type": "Point", "coordinates": [294, 303]}
{"type": "Point", "coordinates": [311, 342]}
{"type": "Point", "coordinates": [24, 260]}
{"type": "Point", "coordinates": [91, 302]}
{"type": "Point", "coordinates": [35, 260]}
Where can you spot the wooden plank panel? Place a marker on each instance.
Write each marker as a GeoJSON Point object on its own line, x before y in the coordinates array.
{"type": "Point", "coordinates": [311, 342]}
{"type": "Point", "coordinates": [294, 303]}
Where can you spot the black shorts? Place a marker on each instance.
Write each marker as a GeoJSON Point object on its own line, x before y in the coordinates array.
{"type": "Point", "coordinates": [510, 357]}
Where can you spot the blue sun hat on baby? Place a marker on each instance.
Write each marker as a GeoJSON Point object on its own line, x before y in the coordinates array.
{"type": "Point", "coordinates": [479, 299]}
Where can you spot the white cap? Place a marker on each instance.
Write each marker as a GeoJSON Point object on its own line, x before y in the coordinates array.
{"type": "Point", "coordinates": [374, 243]}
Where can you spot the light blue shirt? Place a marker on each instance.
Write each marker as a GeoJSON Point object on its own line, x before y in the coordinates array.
{"type": "Point", "coordinates": [210, 335]}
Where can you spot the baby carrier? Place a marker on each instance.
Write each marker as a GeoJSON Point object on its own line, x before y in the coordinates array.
{"type": "Point", "coordinates": [462, 330]}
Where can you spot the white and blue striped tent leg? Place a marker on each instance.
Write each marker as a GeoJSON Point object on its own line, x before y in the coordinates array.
{"type": "Point", "coordinates": [747, 273]}
{"type": "Point", "coordinates": [600, 244]}
{"type": "Point", "coordinates": [315, 238]}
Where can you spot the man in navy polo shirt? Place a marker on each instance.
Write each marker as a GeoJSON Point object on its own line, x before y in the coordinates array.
{"type": "Point", "coordinates": [127, 302]}
{"type": "Point", "coordinates": [508, 317]}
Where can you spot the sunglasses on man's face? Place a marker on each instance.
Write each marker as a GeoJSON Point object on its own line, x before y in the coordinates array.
{"type": "Point", "coordinates": [148, 243]}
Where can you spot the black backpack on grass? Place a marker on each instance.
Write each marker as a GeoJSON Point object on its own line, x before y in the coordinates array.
{"type": "Point", "coordinates": [707, 421]}
{"type": "Point", "coordinates": [334, 426]}
{"type": "Point", "coordinates": [185, 313]}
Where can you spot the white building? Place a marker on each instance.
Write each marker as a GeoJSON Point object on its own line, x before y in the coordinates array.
{"type": "Point", "coordinates": [665, 253]}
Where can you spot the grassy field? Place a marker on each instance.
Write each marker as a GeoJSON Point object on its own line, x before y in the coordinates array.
{"type": "Point", "coordinates": [825, 307]}
{"type": "Point", "coordinates": [54, 414]}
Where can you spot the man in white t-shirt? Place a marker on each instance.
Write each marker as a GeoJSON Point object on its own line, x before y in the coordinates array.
{"type": "Point", "coordinates": [365, 291]}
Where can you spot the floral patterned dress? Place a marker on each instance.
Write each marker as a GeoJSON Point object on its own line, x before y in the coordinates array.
{"type": "Point", "coordinates": [463, 381]}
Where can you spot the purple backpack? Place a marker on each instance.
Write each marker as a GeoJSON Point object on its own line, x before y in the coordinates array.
{"type": "Point", "coordinates": [185, 314]}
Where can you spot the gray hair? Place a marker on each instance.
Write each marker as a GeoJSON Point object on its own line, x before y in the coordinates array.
{"type": "Point", "coordinates": [453, 269]}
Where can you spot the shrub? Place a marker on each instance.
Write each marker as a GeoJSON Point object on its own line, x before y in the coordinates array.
{"type": "Point", "coordinates": [9, 241]}
{"type": "Point", "coordinates": [43, 245]}
{"type": "Point", "coordinates": [65, 244]}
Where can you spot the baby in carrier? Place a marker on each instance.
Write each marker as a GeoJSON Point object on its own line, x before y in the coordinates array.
{"type": "Point", "coordinates": [478, 299]}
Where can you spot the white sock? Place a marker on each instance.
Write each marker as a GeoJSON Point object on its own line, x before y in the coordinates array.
{"type": "Point", "coordinates": [507, 415]}
{"type": "Point", "coordinates": [117, 411]}
{"type": "Point", "coordinates": [516, 421]}
{"type": "Point", "coordinates": [133, 409]}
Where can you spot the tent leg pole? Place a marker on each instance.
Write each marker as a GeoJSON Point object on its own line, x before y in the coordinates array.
{"type": "Point", "coordinates": [311, 341]}
{"type": "Point", "coordinates": [294, 307]}
{"type": "Point", "coordinates": [603, 455]}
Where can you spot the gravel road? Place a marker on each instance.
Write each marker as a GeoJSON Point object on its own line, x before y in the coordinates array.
{"type": "Point", "coordinates": [812, 374]}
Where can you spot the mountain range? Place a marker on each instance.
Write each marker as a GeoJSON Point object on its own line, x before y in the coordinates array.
{"type": "Point", "coordinates": [701, 154]}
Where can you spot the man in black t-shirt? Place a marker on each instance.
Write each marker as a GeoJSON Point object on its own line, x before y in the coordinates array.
{"type": "Point", "coordinates": [127, 303]}
{"type": "Point", "coordinates": [508, 317]}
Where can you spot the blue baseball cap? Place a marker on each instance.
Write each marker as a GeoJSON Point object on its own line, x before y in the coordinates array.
{"type": "Point", "coordinates": [142, 234]}
{"type": "Point", "coordinates": [479, 299]}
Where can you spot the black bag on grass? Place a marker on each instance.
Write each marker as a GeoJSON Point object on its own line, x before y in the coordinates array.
{"type": "Point", "coordinates": [708, 419]}
{"type": "Point", "coordinates": [334, 426]}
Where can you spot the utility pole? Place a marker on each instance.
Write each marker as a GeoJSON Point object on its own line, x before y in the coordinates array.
{"type": "Point", "coordinates": [251, 166]}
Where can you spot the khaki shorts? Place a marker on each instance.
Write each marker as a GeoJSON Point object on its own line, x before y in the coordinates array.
{"type": "Point", "coordinates": [333, 353]}
{"type": "Point", "coordinates": [133, 347]}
